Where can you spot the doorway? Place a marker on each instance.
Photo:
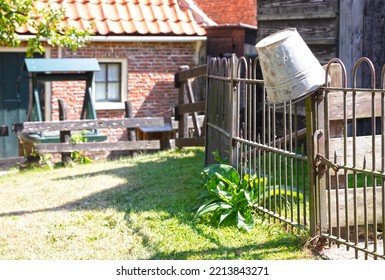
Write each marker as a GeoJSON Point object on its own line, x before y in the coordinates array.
{"type": "Point", "coordinates": [14, 91]}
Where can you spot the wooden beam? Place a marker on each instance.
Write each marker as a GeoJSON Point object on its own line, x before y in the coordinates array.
{"type": "Point", "coordinates": [326, 15]}
{"type": "Point", "coordinates": [191, 99]}
{"type": "Point", "coordinates": [363, 105]}
{"type": "Point", "coordinates": [190, 142]}
{"type": "Point", "coordinates": [184, 75]}
{"type": "Point", "coordinates": [12, 162]}
{"type": "Point", "coordinates": [201, 120]}
{"type": "Point", "coordinates": [192, 107]}
{"type": "Point", "coordinates": [314, 41]}
{"type": "Point", "coordinates": [29, 127]}
{"type": "Point", "coordinates": [360, 206]}
{"type": "Point", "coordinates": [98, 146]}
{"type": "Point", "coordinates": [364, 150]}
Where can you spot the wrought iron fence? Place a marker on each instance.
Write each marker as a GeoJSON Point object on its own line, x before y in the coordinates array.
{"type": "Point", "coordinates": [320, 162]}
{"type": "Point", "coordinates": [257, 138]}
{"type": "Point", "coordinates": [350, 155]}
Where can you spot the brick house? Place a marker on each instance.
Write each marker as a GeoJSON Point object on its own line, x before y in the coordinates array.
{"type": "Point", "coordinates": [139, 45]}
{"type": "Point", "coordinates": [230, 12]}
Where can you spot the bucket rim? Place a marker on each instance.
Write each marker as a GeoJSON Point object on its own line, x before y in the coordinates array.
{"type": "Point", "coordinates": [302, 96]}
{"type": "Point", "coordinates": [259, 45]}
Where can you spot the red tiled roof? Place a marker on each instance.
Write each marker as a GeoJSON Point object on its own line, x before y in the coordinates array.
{"type": "Point", "coordinates": [130, 17]}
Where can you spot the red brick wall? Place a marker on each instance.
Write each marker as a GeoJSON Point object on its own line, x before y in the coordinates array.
{"type": "Point", "coordinates": [230, 12]}
{"type": "Point", "coordinates": [150, 78]}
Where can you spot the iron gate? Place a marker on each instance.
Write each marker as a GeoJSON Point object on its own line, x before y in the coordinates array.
{"type": "Point", "coordinates": [320, 161]}
{"type": "Point", "coordinates": [349, 155]}
{"type": "Point", "coordinates": [258, 139]}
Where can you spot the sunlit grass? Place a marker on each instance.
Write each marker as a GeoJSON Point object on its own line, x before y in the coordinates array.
{"type": "Point", "coordinates": [132, 208]}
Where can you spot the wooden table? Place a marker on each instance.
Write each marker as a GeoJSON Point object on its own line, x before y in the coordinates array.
{"type": "Point", "coordinates": [162, 133]}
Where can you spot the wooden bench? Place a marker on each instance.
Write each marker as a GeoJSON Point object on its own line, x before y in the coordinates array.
{"type": "Point", "coordinates": [25, 130]}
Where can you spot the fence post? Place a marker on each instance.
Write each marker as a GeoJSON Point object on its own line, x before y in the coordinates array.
{"type": "Point", "coordinates": [310, 129]}
{"type": "Point", "coordinates": [191, 98]}
{"type": "Point", "coordinates": [130, 131]}
{"type": "Point", "coordinates": [128, 112]}
{"type": "Point", "coordinates": [233, 103]}
{"type": "Point", "coordinates": [315, 136]}
{"type": "Point", "coordinates": [65, 135]}
{"type": "Point", "coordinates": [182, 99]}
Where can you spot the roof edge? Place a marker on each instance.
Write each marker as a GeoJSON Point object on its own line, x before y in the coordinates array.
{"type": "Point", "coordinates": [230, 25]}
{"type": "Point", "coordinates": [199, 15]}
{"type": "Point", "coordinates": [144, 39]}
{"type": "Point", "coordinates": [148, 39]}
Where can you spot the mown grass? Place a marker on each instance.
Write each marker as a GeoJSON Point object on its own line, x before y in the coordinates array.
{"type": "Point", "coordinates": [132, 208]}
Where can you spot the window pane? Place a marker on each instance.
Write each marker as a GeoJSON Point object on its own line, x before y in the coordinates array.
{"type": "Point", "coordinates": [113, 72]}
{"type": "Point", "coordinates": [108, 82]}
{"type": "Point", "coordinates": [113, 92]}
{"type": "Point", "coordinates": [100, 76]}
{"type": "Point", "coordinates": [100, 92]}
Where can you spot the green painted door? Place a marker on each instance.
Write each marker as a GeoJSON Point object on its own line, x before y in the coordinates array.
{"type": "Point", "coordinates": [13, 99]}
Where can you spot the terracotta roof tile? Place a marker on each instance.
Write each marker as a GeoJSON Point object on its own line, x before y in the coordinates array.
{"type": "Point", "coordinates": [123, 12]}
{"type": "Point", "coordinates": [135, 12]}
{"type": "Point", "coordinates": [153, 27]}
{"type": "Point", "coordinates": [102, 27]}
{"type": "Point", "coordinates": [169, 12]}
{"type": "Point", "coordinates": [110, 11]}
{"type": "Point", "coordinates": [141, 27]}
{"type": "Point", "coordinates": [164, 27]}
{"type": "Point", "coordinates": [83, 11]}
{"type": "Point", "coordinates": [114, 26]}
{"type": "Point", "coordinates": [146, 17]}
{"type": "Point", "coordinates": [146, 12]}
{"type": "Point", "coordinates": [158, 13]}
{"type": "Point", "coordinates": [95, 11]}
{"type": "Point", "coordinates": [128, 27]}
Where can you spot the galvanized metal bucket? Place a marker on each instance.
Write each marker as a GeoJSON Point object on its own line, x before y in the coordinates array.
{"type": "Point", "coordinates": [289, 68]}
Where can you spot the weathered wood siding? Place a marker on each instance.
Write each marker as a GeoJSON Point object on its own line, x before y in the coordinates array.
{"type": "Point", "coordinates": [316, 21]}
{"type": "Point", "coordinates": [374, 30]}
{"type": "Point", "coordinates": [362, 29]}
{"type": "Point", "coordinates": [347, 29]}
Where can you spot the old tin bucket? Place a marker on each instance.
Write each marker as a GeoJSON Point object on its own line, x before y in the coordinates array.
{"type": "Point", "coordinates": [289, 68]}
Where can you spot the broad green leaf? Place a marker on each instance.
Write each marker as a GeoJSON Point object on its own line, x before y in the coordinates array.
{"type": "Point", "coordinates": [210, 207]}
{"type": "Point", "coordinates": [247, 223]}
{"type": "Point", "coordinates": [223, 170]}
{"type": "Point", "coordinates": [204, 193]}
{"type": "Point", "coordinates": [227, 214]}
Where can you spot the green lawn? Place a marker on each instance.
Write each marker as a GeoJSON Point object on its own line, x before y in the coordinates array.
{"type": "Point", "coordinates": [132, 208]}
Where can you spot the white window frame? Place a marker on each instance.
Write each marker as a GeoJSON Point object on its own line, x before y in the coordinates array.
{"type": "Point", "coordinates": [123, 88]}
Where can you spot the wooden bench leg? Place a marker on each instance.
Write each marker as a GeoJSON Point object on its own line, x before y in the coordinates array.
{"type": "Point", "coordinates": [165, 141]}
{"type": "Point", "coordinates": [65, 137]}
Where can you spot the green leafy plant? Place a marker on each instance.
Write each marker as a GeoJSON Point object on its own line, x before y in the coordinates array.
{"type": "Point", "coordinates": [232, 198]}
{"type": "Point", "coordinates": [77, 156]}
{"type": "Point", "coordinates": [218, 158]}
{"type": "Point", "coordinates": [227, 195]}
{"type": "Point", "coordinates": [48, 23]}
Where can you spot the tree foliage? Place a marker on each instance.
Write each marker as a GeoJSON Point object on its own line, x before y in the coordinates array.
{"type": "Point", "coordinates": [47, 24]}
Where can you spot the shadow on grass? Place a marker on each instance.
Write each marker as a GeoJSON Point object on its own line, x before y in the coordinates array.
{"type": "Point", "coordinates": [279, 245]}
{"type": "Point", "coordinates": [169, 186]}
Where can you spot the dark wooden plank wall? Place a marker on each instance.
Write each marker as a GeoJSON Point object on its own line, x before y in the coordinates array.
{"type": "Point", "coordinates": [362, 29]}
{"type": "Point", "coordinates": [374, 35]}
{"type": "Point", "coordinates": [348, 29]}
{"type": "Point", "coordinates": [316, 21]}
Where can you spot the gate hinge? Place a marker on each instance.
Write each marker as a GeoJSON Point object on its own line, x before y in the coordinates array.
{"type": "Point", "coordinates": [321, 161]}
